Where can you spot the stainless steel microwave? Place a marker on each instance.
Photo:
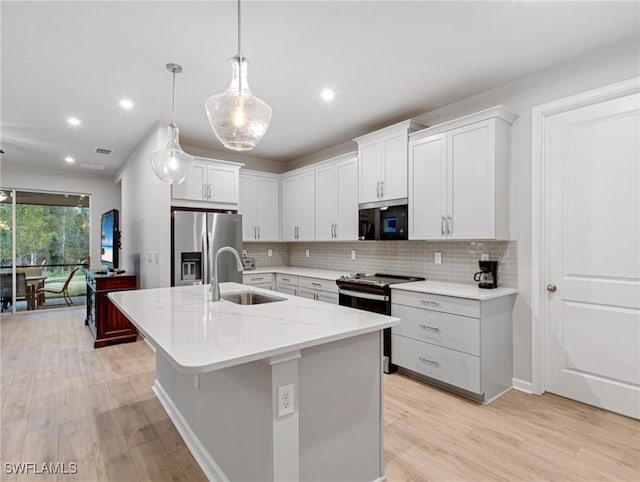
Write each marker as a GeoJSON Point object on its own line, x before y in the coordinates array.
{"type": "Point", "coordinates": [383, 222]}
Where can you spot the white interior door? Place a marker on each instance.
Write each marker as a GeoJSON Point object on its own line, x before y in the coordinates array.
{"type": "Point", "coordinates": [592, 254]}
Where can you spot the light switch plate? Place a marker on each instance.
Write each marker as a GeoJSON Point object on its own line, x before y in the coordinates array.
{"type": "Point", "coordinates": [353, 254]}
{"type": "Point", "coordinates": [484, 257]}
{"type": "Point", "coordinates": [269, 252]}
{"type": "Point", "coordinates": [306, 253]}
{"type": "Point", "coordinates": [437, 257]}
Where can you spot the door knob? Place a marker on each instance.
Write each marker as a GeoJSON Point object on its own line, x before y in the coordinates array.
{"type": "Point", "coordinates": [552, 288]}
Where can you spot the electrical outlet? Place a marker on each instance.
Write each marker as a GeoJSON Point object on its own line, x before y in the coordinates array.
{"type": "Point", "coordinates": [353, 254]}
{"type": "Point", "coordinates": [285, 400]}
{"type": "Point", "coordinates": [437, 257]}
{"type": "Point", "coordinates": [269, 252]}
{"type": "Point", "coordinates": [244, 253]}
{"type": "Point", "coordinates": [306, 253]}
{"type": "Point", "coordinates": [484, 257]}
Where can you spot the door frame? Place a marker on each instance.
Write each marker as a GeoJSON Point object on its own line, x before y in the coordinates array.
{"type": "Point", "coordinates": [539, 115]}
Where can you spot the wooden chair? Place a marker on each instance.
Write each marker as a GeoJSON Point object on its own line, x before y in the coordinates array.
{"type": "Point", "coordinates": [62, 291]}
{"type": "Point", "coordinates": [6, 289]}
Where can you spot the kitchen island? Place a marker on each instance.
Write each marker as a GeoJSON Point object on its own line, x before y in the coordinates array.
{"type": "Point", "coordinates": [286, 390]}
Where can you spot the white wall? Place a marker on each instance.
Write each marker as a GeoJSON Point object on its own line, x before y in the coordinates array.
{"type": "Point", "coordinates": [604, 67]}
{"type": "Point", "coordinates": [105, 194]}
{"type": "Point", "coordinates": [252, 163]}
{"type": "Point", "coordinates": [146, 214]}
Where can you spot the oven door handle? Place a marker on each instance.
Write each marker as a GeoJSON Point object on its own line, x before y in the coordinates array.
{"type": "Point", "coordinates": [360, 294]}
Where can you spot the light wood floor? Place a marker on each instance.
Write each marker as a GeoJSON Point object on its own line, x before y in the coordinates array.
{"type": "Point", "coordinates": [64, 401]}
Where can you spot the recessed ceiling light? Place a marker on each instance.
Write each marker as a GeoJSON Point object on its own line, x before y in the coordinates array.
{"type": "Point", "coordinates": [126, 104]}
{"type": "Point", "coordinates": [327, 95]}
{"type": "Point", "coordinates": [74, 121]}
{"type": "Point", "coordinates": [69, 159]}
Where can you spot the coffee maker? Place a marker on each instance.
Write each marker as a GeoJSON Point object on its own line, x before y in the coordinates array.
{"type": "Point", "coordinates": [488, 274]}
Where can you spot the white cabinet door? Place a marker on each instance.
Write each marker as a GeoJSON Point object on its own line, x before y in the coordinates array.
{"type": "Point", "coordinates": [427, 188]}
{"type": "Point", "coordinates": [193, 187]}
{"type": "Point", "coordinates": [326, 203]}
{"type": "Point", "coordinates": [223, 184]}
{"type": "Point", "coordinates": [347, 203]}
{"type": "Point", "coordinates": [267, 208]}
{"type": "Point", "coordinates": [289, 208]}
{"type": "Point", "coordinates": [394, 167]}
{"type": "Point", "coordinates": [369, 154]}
{"type": "Point", "coordinates": [306, 206]}
{"type": "Point", "coordinates": [472, 181]}
{"type": "Point", "coordinates": [247, 207]}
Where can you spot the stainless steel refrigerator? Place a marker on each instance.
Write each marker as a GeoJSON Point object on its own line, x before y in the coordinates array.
{"type": "Point", "coordinates": [196, 234]}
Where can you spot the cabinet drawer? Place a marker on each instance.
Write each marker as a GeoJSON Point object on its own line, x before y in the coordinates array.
{"type": "Point", "coordinates": [450, 331]}
{"type": "Point", "coordinates": [448, 304]}
{"type": "Point", "coordinates": [255, 279]}
{"type": "Point", "coordinates": [267, 286]}
{"type": "Point", "coordinates": [318, 284]}
{"type": "Point", "coordinates": [327, 297]}
{"type": "Point", "coordinates": [286, 279]}
{"type": "Point", "coordinates": [290, 290]}
{"type": "Point", "coordinates": [450, 366]}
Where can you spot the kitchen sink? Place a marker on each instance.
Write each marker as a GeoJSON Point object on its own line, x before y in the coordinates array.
{"type": "Point", "coordinates": [250, 298]}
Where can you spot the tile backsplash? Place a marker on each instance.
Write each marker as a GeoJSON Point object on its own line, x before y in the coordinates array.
{"type": "Point", "coordinates": [459, 258]}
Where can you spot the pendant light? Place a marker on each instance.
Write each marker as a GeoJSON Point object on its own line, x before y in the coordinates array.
{"type": "Point", "coordinates": [171, 164]}
{"type": "Point", "coordinates": [238, 118]}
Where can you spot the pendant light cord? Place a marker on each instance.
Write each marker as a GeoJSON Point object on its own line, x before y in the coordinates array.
{"type": "Point", "coordinates": [173, 100]}
{"type": "Point", "coordinates": [239, 52]}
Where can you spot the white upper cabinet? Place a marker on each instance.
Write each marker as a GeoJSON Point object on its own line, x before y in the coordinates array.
{"type": "Point", "coordinates": [337, 200]}
{"type": "Point", "coordinates": [382, 173]}
{"type": "Point", "coordinates": [459, 178]}
{"type": "Point", "coordinates": [209, 183]}
{"type": "Point", "coordinates": [298, 206]}
{"type": "Point", "coordinates": [259, 206]}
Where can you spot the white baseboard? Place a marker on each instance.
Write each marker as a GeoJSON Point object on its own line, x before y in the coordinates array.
{"type": "Point", "coordinates": [522, 386]}
{"type": "Point", "coordinates": [211, 469]}
{"type": "Point", "coordinates": [153, 348]}
{"type": "Point", "coordinates": [506, 390]}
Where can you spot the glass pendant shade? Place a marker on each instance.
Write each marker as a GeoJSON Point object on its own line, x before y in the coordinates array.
{"type": "Point", "coordinates": [171, 164]}
{"type": "Point", "coordinates": [238, 118]}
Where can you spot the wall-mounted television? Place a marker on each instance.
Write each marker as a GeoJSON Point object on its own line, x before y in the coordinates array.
{"type": "Point", "coordinates": [110, 239]}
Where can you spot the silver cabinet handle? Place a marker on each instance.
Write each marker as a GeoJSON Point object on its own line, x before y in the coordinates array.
{"type": "Point", "coordinates": [204, 191]}
{"type": "Point", "coordinates": [254, 233]}
{"type": "Point", "coordinates": [449, 223]}
{"type": "Point", "coordinates": [430, 362]}
{"type": "Point", "coordinates": [430, 302]}
{"type": "Point", "coordinates": [381, 188]}
{"type": "Point", "coordinates": [286, 279]}
{"type": "Point", "coordinates": [257, 279]}
{"type": "Point", "coordinates": [258, 232]}
{"type": "Point", "coordinates": [378, 190]}
{"type": "Point", "coordinates": [430, 328]}
{"type": "Point", "coordinates": [442, 221]}
{"type": "Point", "coordinates": [316, 284]}
{"type": "Point", "coordinates": [552, 288]}
{"type": "Point", "coordinates": [335, 231]}
{"type": "Point", "coordinates": [315, 296]}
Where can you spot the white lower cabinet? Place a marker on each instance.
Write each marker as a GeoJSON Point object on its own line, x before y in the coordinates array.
{"type": "Point", "coordinates": [287, 284]}
{"type": "Point", "coordinates": [457, 343]}
{"type": "Point", "coordinates": [319, 289]}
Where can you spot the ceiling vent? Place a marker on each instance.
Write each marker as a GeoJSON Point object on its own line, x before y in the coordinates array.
{"type": "Point", "coordinates": [106, 152]}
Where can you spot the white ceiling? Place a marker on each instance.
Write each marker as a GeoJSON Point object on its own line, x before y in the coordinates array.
{"type": "Point", "coordinates": [387, 61]}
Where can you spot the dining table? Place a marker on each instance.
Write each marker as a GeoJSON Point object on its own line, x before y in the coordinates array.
{"type": "Point", "coordinates": [34, 300]}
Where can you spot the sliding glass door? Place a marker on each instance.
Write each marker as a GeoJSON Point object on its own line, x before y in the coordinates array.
{"type": "Point", "coordinates": [50, 232]}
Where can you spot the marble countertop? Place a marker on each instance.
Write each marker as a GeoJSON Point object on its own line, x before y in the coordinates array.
{"type": "Point", "coordinates": [296, 271]}
{"type": "Point", "coordinates": [199, 335]}
{"type": "Point", "coordinates": [454, 289]}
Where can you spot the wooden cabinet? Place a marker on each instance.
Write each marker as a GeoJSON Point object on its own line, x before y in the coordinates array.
{"type": "Point", "coordinates": [210, 182]}
{"type": "Point", "coordinates": [382, 172]}
{"type": "Point", "coordinates": [107, 324]}
{"type": "Point", "coordinates": [259, 206]}
{"type": "Point", "coordinates": [458, 343]}
{"type": "Point", "coordinates": [298, 206]}
{"type": "Point", "coordinates": [459, 178]}
{"type": "Point", "coordinates": [336, 206]}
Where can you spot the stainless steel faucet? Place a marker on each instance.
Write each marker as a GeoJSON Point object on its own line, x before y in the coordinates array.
{"type": "Point", "coordinates": [215, 285]}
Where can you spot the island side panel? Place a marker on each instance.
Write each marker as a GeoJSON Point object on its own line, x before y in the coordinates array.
{"type": "Point", "coordinates": [230, 413]}
{"type": "Point", "coordinates": [341, 410]}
